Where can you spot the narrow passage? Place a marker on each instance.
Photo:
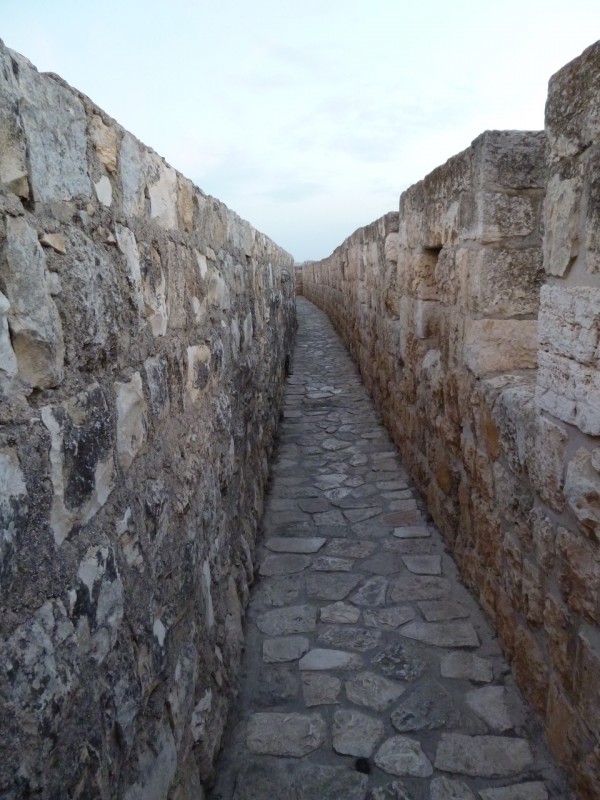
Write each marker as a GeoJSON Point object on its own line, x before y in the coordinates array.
{"type": "Point", "coordinates": [369, 671]}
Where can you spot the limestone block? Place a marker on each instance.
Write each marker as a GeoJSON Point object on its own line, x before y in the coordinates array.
{"type": "Point", "coordinates": [104, 191]}
{"type": "Point", "coordinates": [569, 322]}
{"type": "Point", "coordinates": [186, 192]}
{"type": "Point", "coordinates": [162, 189]}
{"type": "Point", "coordinates": [157, 379]}
{"type": "Point", "coordinates": [128, 246]}
{"type": "Point", "coordinates": [13, 147]}
{"type": "Point", "coordinates": [503, 282]}
{"type": "Point", "coordinates": [494, 345]}
{"type": "Point", "coordinates": [391, 246]}
{"type": "Point", "coordinates": [154, 291]}
{"type": "Point", "coordinates": [561, 224]}
{"type": "Point", "coordinates": [505, 216]}
{"type": "Point", "coordinates": [421, 275]}
{"type": "Point", "coordinates": [579, 573]}
{"type": "Point", "coordinates": [582, 491]}
{"type": "Point", "coordinates": [54, 121]}
{"type": "Point", "coordinates": [132, 185]}
{"type": "Point", "coordinates": [8, 360]}
{"type": "Point", "coordinates": [33, 320]}
{"type": "Point", "coordinates": [104, 139]}
{"type": "Point", "coordinates": [592, 221]}
{"type": "Point", "coordinates": [81, 459]}
{"type": "Point", "coordinates": [572, 120]}
{"type": "Point", "coordinates": [198, 370]}
{"type": "Point", "coordinates": [100, 593]}
{"type": "Point", "coordinates": [569, 391]}
{"type": "Point", "coordinates": [510, 160]}
{"type": "Point", "coordinates": [132, 420]}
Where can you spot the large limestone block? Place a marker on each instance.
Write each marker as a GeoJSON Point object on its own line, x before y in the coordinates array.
{"type": "Point", "coordinates": [54, 122]}
{"type": "Point", "coordinates": [582, 489]}
{"type": "Point", "coordinates": [132, 184]}
{"type": "Point", "coordinates": [104, 139]}
{"type": "Point", "coordinates": [13, 147]}
{"type": "Point", "coordinates": [162, 190]}
{"type": "Point", "coordinates": [502, 282]}
{"type": "Point", "coordinates": [505, 215]}
{"type": "Point", "coordinates": [494, 345]}
{"type": "Point", "coordinates": [8, 360]}
{"type": "Point", "coordinates": [569, 322]}
{"type": "Point", "coordinates": [561, 224]}
{"type": "Point", "coordinates": [572, 119]}
{"type": "Point", "coordinates": [81, 459]}
{"type": "Point", "coordinates": [132, 419]}
{"type": "Point", "coordinates": [570, 391]}
{"type": "Point", "coordinates": [35, 326]}
{"type": "Point", "coordinates": [510, 160]}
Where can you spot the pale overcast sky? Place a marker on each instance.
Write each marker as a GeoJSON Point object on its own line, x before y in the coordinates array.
{"type": "Point", "coordinates": [307, 118]}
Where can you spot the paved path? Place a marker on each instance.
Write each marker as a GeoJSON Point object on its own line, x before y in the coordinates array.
{"type": "Point", "coordinates": [370, 671]}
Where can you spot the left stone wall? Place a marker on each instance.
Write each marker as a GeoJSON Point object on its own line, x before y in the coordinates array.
{"type": "Point", "coordinates": [145, 331]}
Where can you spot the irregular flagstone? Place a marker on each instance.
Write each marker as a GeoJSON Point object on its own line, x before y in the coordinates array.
{"type": "Point", "coordinates": [412, 532]}
{"type": "Point", "coordinates": [447, 789]}
{"type": "Point", "coordinates": [489, 703]}
{"type": "Point", "coordinates": [392, 484]}
{"type": "Point", "coordinates": [391, 791]}
{"type": "Point", "coordinates": [292, 619]}
{"type": "Point", "coordinates": [319, 688]}
{"type": "Point", "coordinates": [355, 733]}
{"type": "Point", "coordinates": [403, 756]}
{"type": "Point", "coordinates": [334, 517]}
{"type": "Point", "coordinates": [371, 593]}
{"type": "Point", "coordinates": [361, 514]}
{"type": "Point", "coordinates": [318, 659]}
{"type": "Point", "coordinates": [350, 548]}
{"type": "Point", "coordinates": [313, 506]}
{"type": "Point", "coordinates": [406, 504]}
{"type": "Point", "coordinates": [356, 503]}
{"type": "Point", "coordinates": [339, 612]}
{"type": "Point", "coordinates": [429, 706]}
{"type": "Point", "coordinates": [384, 563]}
{"type": "Point", "coordinates": [284, 565]}
{"type": "Point", "coordinates": [402, 519]}
{"type": "Point", "coordinates": [285, 648]}
{"type": "Point", "coordinates": [373, 691]}
{"type": "Point", "coordinates": [279, 734]}
{"type": "Point", "coordinates": [332, 564]}
{"type": "Point", "coordinates": [438, 610]}
{"type": "Point", "coordinates": [278, 592]}
{"type": "Point", "coordinates": [330, 481]}
{"type": "Point", "coordinates": [277, 682]}
{"type": "Point", "coordinates": [338, 493]}
{"type": "Point", "coordinates": [313, 782]}
{"type": "Point", "coordinates": [295, 544]}
{"type": "Point", "coordinates": [355, 481]}
{"type": "Point", "coordinates": [398, 661]}
{"type": "Point", "coordinates": [391, 617]}
{"type": "Point", "coordinates": [361, 639]}
{"type": "Point", "coordinates": [333, 444]}
{"type": "Point", "coordinates": [419, 588]}
{"type": "Point", "coordinates": [484, 756]}
{"type": "Point", "coordinates": [423, 565]}
{"type": "Point", "coordinates": [468, 666]}
{"type": "Point", "coordinates": [331, 586]}
{"type": "Point", "coordinates": [399, 494]}
{"type": "Point", "coordinates": [442, 634]}
{"type": "Point", "coordinates": [534, 790]}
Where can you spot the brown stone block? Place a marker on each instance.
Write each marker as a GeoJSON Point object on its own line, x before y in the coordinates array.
{"type": "Point", "coordinates": [506, 621]}
{"type": "Point", "coordinates": [494, 345]}
{"type": "Point", "coordinates": [579, 573]}
{"type": "Point", "coordinates": [561, 726]}
{"type": "Point", "coordinates": [512, 570]}
{"type": "Point", "coordinates": [533, 593]}
{"type": "Point", "coordinates": [561, 643]}
{"type": "Point", "coordinates": [504, 215]}
{"type": "Point", "coordinates": [542, 538]}
{"type": "Point", "coordinates": [586, 678]}
{"type": "Point", "coordinates": [586, 776]}
{"type": "Point", "coordinates": [531, 668]}
{"type": "Point", "coordinates": [503, 282]}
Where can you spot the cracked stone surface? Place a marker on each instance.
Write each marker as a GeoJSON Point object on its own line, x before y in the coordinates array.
{"type": "Point", "coordinates": [391, 660]}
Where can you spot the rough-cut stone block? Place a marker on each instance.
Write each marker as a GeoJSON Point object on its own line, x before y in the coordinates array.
{"type": "Point", "coordinates": [403, 756]}
{"type": "Point", "coordinates": [494, 345]}
{"type": "Point", "coordinates": [569, 322]}
{"type": "Point", "coordinates": [561, 221]}
{"type": "Point", "coordinates": [485, 756]}
{"type": "Point", "coordinates": [582, 490]}
{"type": "Point", "coordinates": [355, 733]}
{"type": "Point", "coordinates": [504, 282]}
{"type": "Point", "coordinates": [285, 734]}
{"type": "Point", "coordinates": [506, 216]}
{"type": "Point", "coordinates": [569, 391]}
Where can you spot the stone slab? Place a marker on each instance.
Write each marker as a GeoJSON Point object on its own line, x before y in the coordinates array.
{"type": "Point", "coordinates": [286, 564]}
{"type": "Point", "coordinates": [355, 733]}
{"type": "Point", "coordinates": [438, 610]}
{"type": "Point", "coordinates": [419, 588]}
{"type": "Point", "coordinates": [423, 565]}
{"type": "Point", "coordinates": [285, 648]}
{"type": "Point", "coordinates": [319, 688]}
{"type": "Point", "coordinates": [489, 703]}
{"type": "Point", "coordinates": [348, 637]}
{"type": "Point", "coordinates": [277, 734]}
{"type": "Point", "coordinates": [321, 658]}
{"type": "Point", "coordinates": [390, 617]}
{"type": "Point", "coordinates": [467, 666]}
{"type": "Point", "coordinates": [287, 620]}
{"type": "Point", "coordinates": [331, 586]}
{"type": "Point", "coordinates": [373, 691]}
{"type": "Point", "coordinates": [400, 756]}
{"type": "Point", "coordinates": [442, 634]}
{"type": "Point", "coordinates": [339, 612]}
{"type": "Point", "coordinates": [533, 790]}
{"type": "Point", "coordinates": [295, 544]}
{"type": "Point", "coordinates": [484, 756]}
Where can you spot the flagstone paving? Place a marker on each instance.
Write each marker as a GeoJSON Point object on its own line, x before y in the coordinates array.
{"type": "Point", "coordinates": [370, 672]}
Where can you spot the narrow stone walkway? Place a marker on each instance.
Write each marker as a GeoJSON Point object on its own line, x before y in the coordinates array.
{"type": "Point", "coordinates": [369, 671]}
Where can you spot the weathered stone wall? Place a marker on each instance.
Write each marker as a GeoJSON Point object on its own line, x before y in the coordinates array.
{"type": "Point", "coordinates": [439, 306]}
{"type": "Point", "coordinates": [298, 278]}
{"type": "Point", "coordinates": [144, 334]}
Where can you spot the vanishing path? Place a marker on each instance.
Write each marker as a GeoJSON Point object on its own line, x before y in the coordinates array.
{"type": "Point", "coordinates": [369, 671]}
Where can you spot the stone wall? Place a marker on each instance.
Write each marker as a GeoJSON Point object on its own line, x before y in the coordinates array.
{"type": "Point", "coordinates": [144, 335]}
{"type": "Point", "coordinates": [497, 413]}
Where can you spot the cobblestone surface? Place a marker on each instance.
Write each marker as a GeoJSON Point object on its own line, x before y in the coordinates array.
{"type": "Point", "coordinates": [366, 660]}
